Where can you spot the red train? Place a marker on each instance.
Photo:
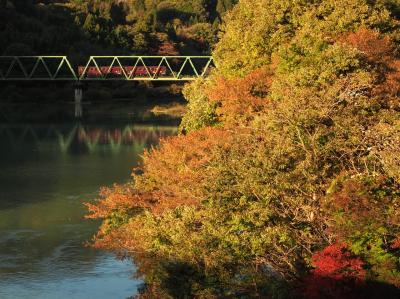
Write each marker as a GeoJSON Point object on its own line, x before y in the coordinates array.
{"type": "Point", "coordinates": [118, 71]}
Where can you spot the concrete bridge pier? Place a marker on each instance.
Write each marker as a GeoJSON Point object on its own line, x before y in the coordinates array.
{"type": "Point", "coordinates": [78, 100]}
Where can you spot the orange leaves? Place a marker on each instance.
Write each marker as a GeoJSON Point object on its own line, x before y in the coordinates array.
{"type": "Point", "coordinates": [121, 198]}
{"type": "Point", "coordinates": [173, 173]}
{"type": "Point", "coordinates": [241, 98]}
{"type": "Point", "coordinates": [392, 84]}
{"type": "Point", "coordinates": [259, 193]}
{"type": "Point", "coordinates": [363, 203]}
{"type": "Point", "coordinates": [379, 52]}
{"type": "Point", "coordinates": [376, 48]}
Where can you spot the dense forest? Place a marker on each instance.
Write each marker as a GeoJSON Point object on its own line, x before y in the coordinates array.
{"type": "Point", "coordinates": [80, 28]}
{"type": "Point", "coordinates": [285, 179]}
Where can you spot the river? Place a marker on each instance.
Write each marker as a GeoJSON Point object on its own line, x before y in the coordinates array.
{"type": "Point", "coordinates": [47, 172]}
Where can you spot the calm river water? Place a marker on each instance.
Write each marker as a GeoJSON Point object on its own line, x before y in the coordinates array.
{"type": "Point", "coordinates": [47, 172]}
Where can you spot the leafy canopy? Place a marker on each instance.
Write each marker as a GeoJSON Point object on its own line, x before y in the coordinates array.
{"type": "Point", "coordinates": [288, 173]}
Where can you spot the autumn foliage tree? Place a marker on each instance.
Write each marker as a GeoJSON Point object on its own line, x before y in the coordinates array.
{"type": "Point", "coordinates": [287, 176]}
{"type": "Point", "coordinates": [337, 274]}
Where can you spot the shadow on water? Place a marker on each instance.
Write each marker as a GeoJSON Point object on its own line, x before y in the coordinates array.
{"type": "Point", "coordinates": [180, 280]}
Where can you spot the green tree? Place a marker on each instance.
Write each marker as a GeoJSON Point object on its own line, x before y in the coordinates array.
{"type": "Point", "coordinates": [288, 161]}
{"type": "Point", "coordinates": [269, 24]}
{"type": "Point", "coordinates": [90, 23]}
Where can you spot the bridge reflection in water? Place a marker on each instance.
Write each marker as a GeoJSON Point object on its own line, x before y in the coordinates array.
{"type": "Point", "coordinates": [89, 137]}
{"type": "Point", "coordinates": [47, 172]}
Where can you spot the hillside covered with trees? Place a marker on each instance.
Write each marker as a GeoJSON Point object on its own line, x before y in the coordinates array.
{"type": "Point", "coordinates": [79, 29]}
{"type": "Point", "coordinates": [285, 180]}
{"type": "Point", "coordinates": [97, 27]}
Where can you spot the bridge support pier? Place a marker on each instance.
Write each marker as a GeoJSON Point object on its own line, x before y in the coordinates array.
{"type": "Point", "coordinates": [78, 100]}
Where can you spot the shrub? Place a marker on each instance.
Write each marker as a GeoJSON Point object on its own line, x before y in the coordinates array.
{"type": "Point", "coordinates": [201, 111]}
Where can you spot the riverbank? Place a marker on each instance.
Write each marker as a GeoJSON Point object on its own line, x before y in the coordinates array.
{"type": "Point", "coordinates": [115, 110]}
{"type": "Point", "coordinates": [28, 102]}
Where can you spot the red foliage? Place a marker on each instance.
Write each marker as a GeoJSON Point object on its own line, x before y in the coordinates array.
{"type": "Point", "coordinates": [396, 243]}
{"type": "Point", "coordinates": [167, 49]}
{"type": "Point", "coordinates": [364, 203]}
{"type": "Point", "coordinates": [336, 262]}
{"type": "Point", "coordinates": [336, 275]}
{"type": "Point", "coordinates": [354, 201]}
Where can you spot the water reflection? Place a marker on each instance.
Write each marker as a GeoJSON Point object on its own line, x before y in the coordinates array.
{"type": "Point", "coordinates": [47, 172]}
{"type": "Point", "coordinates": [91, 136]}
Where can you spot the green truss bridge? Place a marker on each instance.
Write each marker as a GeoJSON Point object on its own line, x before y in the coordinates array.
{"type": "Point", "coordinates": [98, 68]}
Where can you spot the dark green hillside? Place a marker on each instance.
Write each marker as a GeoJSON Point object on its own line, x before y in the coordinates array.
{"type": "Point", "coordinates": [96, 27]}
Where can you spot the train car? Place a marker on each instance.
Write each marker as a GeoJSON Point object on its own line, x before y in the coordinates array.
{"type": "Point", "coordinates": [131, 71]}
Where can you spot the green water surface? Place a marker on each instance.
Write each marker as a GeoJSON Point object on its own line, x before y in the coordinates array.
{"type": "Point", "coordinates": [47, 172]}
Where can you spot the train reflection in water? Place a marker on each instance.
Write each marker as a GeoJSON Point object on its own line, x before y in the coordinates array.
{"type": "Point", "coordinates": [89, 136]}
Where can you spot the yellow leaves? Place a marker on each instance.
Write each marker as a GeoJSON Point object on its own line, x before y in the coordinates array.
{"type": "Point", "coordinates": [246, 42]}
{"type": "Point", "coordinates": [201, 112]}
{"type": "Point", "coordinates": [388, 147]}
{"type": "Point", "coordinates": [255, 30]}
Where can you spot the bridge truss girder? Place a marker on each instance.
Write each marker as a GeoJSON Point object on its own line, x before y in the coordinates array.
{"type": "Point", "coordinates": [59, 68]}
